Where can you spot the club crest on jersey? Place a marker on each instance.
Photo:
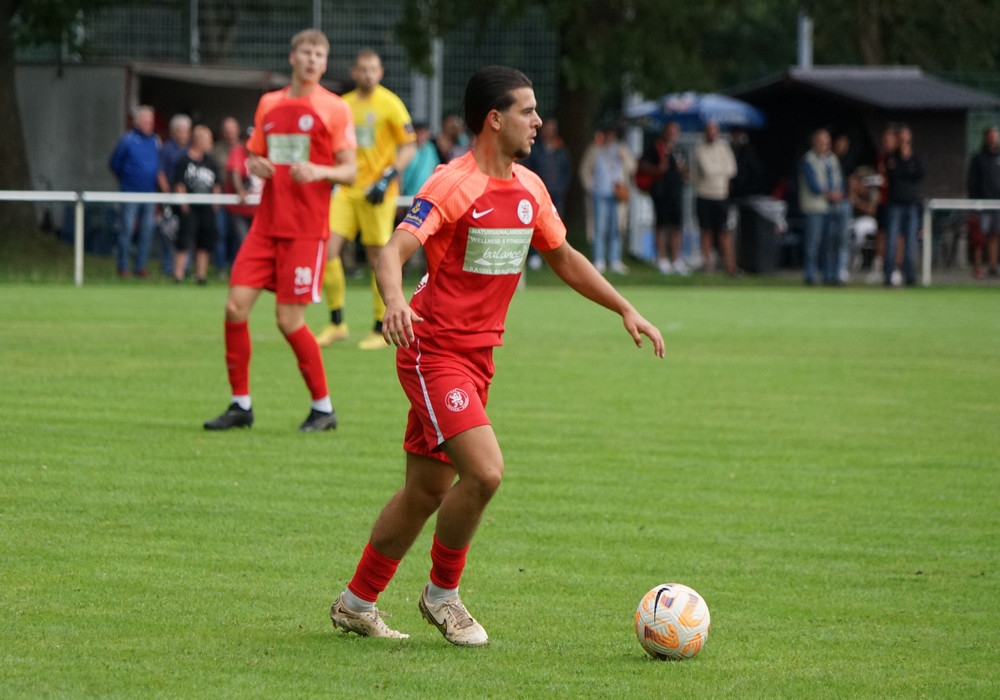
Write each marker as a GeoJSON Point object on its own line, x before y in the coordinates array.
{"type": "Point", "coordinates": [456, 400]}
{"type": "Point", "coordinates": [306, 122]}
{"type": "Point", "coordinates": [418, 212]}
{"type": "Point", "coordinates": [525, 212]}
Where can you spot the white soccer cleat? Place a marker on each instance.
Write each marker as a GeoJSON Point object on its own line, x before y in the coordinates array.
{"type": "Point", "coordinates": [366, 624]}
{"type": "Point", "coordinates": [681, 268]}
{"type": "Point", "coordinates": [453, 621]}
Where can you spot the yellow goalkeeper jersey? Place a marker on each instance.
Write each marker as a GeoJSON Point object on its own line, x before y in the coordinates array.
{"type": "Point", "coordinates": [381, 124]}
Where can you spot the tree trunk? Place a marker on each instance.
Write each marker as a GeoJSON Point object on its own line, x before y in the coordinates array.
{"type": "Point", "coordinates": [15, 217]}
{"type": "Point", "coordinates": [576, 111]}
{"type": "Point", "coordinates": [869, 32]}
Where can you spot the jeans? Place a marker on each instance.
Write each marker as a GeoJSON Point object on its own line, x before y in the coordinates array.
{"type": "Point", "coordinates": [905, 219]}
{"type": "Point", "coordinates": [222, 245]}
{"type": "Point", "coordinates": [819, 248]}
{"type": "Point", "coordinates": [607, 242]}
{"type": "Point", "coordinates": [130, 212]}
{"type": "Point", "coordinates": [842, 239]}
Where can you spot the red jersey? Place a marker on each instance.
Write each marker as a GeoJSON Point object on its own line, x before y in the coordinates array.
{"type": "Point", "coordinates": [291, 130]}
{"type": "Point", "coordinates": [476, 231]}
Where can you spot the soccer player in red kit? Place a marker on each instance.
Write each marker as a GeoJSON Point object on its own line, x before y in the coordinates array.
{"type": "Point", "coordinates": [476, 218]}
{"type": "Point", "coordinates": [302, 143]}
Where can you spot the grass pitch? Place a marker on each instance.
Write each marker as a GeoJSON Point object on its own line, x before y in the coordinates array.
{"type": "Point", "coordinates": [821, 465]}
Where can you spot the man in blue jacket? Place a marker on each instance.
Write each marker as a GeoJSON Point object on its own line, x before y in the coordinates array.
{"type": "Point", "coordinates": [135, 162]}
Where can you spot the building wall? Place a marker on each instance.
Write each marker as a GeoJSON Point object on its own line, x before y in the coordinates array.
{"type": "Point", "coordinates": [940, 141]}
{"type": "Point", "coordinates": [72, 119]}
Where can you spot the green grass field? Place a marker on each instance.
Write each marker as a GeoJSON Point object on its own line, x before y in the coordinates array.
{"type": "Point", "coordinates": [823, 466]}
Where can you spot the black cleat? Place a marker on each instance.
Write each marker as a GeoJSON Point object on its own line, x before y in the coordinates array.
{"type": "Point", "coordinates": [318, 420]}
{"type": "Point", "coordinates": [234, 417]}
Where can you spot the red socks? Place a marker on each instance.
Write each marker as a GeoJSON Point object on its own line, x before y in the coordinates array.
{"type": "Point", "coordinates": [303, 345]}
{"type": "Point", "coordinates": [447, 565]}
{"type": "Point", "coordinates": [372, 575]}
{"type": "Point", "coordinates": [238, 357]}
{"type": "Point", "coordinates": [306, 349]}
{"type": "Point", "coordinates": [376, 570]}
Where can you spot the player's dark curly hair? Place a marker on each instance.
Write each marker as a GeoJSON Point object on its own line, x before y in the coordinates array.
{"type": "Point", "coordinates": [489, 88]}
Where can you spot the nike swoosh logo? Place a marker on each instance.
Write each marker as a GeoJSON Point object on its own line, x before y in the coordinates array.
{"type": "Point", "coordinates": [478, 214]}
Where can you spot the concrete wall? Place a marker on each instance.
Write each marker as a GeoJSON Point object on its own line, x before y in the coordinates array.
{"type": "Point", "coordinates": [71, 122]}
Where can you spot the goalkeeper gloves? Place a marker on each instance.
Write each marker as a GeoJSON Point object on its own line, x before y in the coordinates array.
{"type": "Point", "coordinates": [376, 193]}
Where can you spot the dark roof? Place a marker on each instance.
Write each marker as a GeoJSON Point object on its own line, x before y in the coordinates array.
{"type": "Point", "coordinates": [884, 87]}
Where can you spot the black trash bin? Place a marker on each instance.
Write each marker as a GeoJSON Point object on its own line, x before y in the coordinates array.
{"type": "Point", "coordinates": [761, 221]}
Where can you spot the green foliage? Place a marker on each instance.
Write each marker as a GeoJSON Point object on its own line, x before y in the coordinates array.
{"type": "Point", "coordinates": [696, 45]}
{"type": "Point", "coordinates": [814, 463]}
{"type": "Point", "coordinates": [939, 35]}
{"type": "Point", "coordinates": [51, 21]}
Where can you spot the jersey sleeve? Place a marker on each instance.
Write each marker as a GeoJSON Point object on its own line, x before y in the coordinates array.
{"type": "Point", "coordinates": [257, 143]}
{"type": "Point", "coordinates": [423, 220]}
{"type": "Point", "coordinates": [340, 123]}
{"type": "Point", "coordinates": [550, 231]}
{"type": "Point", "coordinates": [401, 124]}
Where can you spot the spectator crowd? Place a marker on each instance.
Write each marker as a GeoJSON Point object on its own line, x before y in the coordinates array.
{"type": "Point", "coordinates": [850, 217]}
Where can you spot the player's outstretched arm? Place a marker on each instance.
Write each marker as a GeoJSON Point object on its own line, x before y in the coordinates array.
{"type": "Point", "coordinates": [577, 272]}
{"type": "Point", "coordinates": [397, 323]}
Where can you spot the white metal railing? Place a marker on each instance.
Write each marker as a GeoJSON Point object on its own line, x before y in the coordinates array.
{"type": "Point", "coordinates": [79, 199]}
{"type": "Point", "coordinates": [960, 204]}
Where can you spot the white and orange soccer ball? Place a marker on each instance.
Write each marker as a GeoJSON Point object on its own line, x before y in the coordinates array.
{"type": "Point", "coordinates": [672, 622]}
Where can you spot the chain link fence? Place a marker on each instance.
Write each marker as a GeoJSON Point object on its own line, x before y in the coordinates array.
{"type": "Point", "coordinates": [256, 34]}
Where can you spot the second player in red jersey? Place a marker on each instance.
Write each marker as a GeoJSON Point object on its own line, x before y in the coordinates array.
{"type": "Point", "coordinates": [303, 142]}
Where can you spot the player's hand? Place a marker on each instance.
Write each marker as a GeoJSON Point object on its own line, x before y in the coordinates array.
{"type": "Point", "coordinates": [637, 327]}
{"type": "Point", "coordinates": [304, 173]}
{"type": "Point", "coordinates": [397, 325]}
{"type": "Point", "coordinates": [260, 166]}
{"type": "Point", "coordinates": [376, 193]}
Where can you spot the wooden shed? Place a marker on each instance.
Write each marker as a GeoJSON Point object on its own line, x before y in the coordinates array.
{"type": "Point", "coordinates": [860, 101]}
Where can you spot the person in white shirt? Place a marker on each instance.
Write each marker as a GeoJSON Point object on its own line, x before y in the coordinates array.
{"type": "Point", "coordinates": [714, 166]}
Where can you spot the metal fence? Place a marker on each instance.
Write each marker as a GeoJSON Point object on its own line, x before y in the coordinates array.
{"type": "Point", "coordinates": [80, 199]}
{"type": "Point", "coordinates": [255, 34]}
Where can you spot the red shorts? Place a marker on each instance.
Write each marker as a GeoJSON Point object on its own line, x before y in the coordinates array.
{"type": "Point", "coordinates": [447, 393]}
{"type": "Point", "coordinates": [292, 268]}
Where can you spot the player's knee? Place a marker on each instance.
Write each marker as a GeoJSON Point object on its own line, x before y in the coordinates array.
{"type": "Point", "coordinates": [236, 312]}
{"type": "Point", "coordinates": [488, 478]}
{"type": "Point", "coordinates": [428, 500]}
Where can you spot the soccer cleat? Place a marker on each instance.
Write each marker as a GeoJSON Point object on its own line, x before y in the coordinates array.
{"type": "Point", "coordinates": [374, 341]}
{"type": "Point", "coordinates": [366, 624]}
{"type": "Point", "coordinates": [234, 417]}
{"type": "Point", "coordinates": [332, 333]}
{"type": "Point", "coordinates": [318, 421]}
{"type": "Point", "coordinates": [453, 621]}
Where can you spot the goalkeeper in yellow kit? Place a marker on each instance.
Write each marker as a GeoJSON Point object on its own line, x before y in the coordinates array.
{"type": "Point", "coordinates": [386, 145]}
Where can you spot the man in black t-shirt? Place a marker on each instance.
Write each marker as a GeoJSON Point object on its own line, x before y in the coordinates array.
{"type": "Point", "coordinates": [665, 171]}
{"type": "Point", "coordinates": [196, 173]}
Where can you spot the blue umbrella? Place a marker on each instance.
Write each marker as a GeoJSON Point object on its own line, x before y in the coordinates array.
{"type": "Point", "coordinates": [692, 111]}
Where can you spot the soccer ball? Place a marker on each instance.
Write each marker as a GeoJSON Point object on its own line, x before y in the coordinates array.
{"type": "Point", "coordinates": [672, 622]}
